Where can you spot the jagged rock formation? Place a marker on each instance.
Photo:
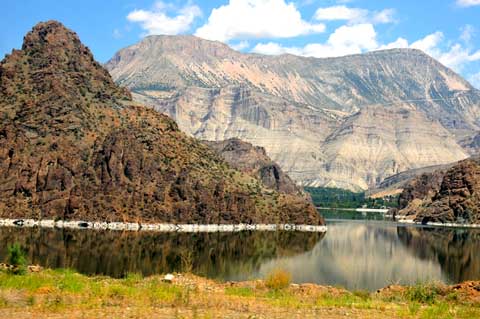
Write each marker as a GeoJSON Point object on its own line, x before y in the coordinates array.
{"type": "Point", "coordinates": [345, 122]}
{"type": "Point", "coordinates": [451, 195]}
{"type": "Point", "coordinates": [74, 146]}
{"type": "Point", "coordinates": [254, 161]}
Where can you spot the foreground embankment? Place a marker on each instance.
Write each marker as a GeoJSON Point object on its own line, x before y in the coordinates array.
{"type": "Point", "coordinates": [66, 294]}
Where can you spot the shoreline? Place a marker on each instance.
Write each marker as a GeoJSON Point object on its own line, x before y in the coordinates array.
{"type": "Point", "coordinates": [437, 224]}
{"type": "Point", "coordinates": [358, 210]}
{"type": "Point", "coordinates": [158, 227]}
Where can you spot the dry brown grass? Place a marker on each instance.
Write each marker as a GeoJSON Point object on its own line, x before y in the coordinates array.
{"type": "Point", "coordinates": [278, 279]}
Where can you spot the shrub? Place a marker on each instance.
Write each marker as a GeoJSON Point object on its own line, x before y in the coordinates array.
{"type": "Point", "coordinates": [278, 279]}
{"type": "Point", "coordinates": [16, 259]}
{"type": "Point", "coordinates": [422, 293]}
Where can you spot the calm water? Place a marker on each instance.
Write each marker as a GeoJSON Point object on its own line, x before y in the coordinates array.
{"type": "Point", "coordinates": [354, 254]}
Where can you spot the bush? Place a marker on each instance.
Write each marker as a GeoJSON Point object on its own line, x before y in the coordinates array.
{"type": "Point", "coordinates": [278, 279]}
{"type": "Point", "coordinates": [16, 259]}
{"type": "Point", "coordinates": [422, 293]}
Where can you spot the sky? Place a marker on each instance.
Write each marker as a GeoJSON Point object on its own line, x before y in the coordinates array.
{"type": "Point", "coordinates": [448, 30]}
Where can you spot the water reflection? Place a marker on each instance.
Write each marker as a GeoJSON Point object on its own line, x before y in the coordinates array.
{"type": "Point", "coordinates": [217, 255]}
{"type": "Point", "coordinates": [359, 256]}
{"type": "Point", "coordinates": [353, 254]}
{"type": "Point", "coordinates": [456, 250]}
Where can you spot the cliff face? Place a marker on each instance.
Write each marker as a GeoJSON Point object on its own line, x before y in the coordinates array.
{"type": "Point", "coordinates": [73, 145]}
{"type": "Point", "coordinates": [254, 161]}
{"type": "Point", "coordinates": [451, 195]}
{"type": "Point", "coordinates": [346, 122]}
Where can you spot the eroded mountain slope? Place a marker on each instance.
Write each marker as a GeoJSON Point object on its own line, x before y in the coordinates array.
{"type": "Point", "coordinates": [313, 116]}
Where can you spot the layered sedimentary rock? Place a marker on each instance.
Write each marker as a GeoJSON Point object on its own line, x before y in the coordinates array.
{"type": "Point", "coordinates": [345, 122]}
{"type": "Point", "coordinates": [451, 195]}
{"type": "Point", "coordinates": [74, 146]}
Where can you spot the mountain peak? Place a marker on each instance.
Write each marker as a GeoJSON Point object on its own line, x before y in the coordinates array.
{"type": "Point", "coordinates": [50, 33]}
{"type": "Point", "coordinates": [54, 75]}
{"type": "Point", "coordinates": [54, 65]}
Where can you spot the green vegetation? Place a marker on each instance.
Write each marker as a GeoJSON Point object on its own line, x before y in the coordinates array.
{"type": "Point", "coordinates": [65, 293]}
{"type": "Point", "coordinates": [424, 293]}
{"type": "Point", "coordinates": [16, 259]}
{"type": "Point", "coordinates": [342, 198]}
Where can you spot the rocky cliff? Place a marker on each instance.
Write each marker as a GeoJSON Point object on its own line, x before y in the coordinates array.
{"type": "Point", "coordinates": [253, 160]}
{"type": "Point", "coordinates": [451, 195]}
{"type": "Point", "coordinates": [346, 122]}
{"type": "Point", "coordinates": [74, 146]}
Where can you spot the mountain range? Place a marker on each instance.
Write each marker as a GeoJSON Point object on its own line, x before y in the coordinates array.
{"type": "Point", "coordinates": [74, 146]}
{"type": "Point", "coordinates": [345, 122]}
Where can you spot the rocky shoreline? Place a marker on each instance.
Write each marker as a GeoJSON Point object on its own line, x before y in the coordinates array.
{"type": "Point", "coordinates": [189, 228]}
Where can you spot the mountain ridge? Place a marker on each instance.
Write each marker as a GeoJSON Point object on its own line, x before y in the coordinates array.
{"type": "Point", "coordinates": [306, 105]}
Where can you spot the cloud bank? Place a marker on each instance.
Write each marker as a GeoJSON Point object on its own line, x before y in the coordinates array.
{"type": "Point", "coordinates": [249, 19]}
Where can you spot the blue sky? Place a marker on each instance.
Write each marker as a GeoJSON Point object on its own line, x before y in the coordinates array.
{"type": "Point", "coordinates": [449, 30]}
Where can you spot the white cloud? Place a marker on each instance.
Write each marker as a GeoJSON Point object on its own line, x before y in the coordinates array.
{"type": "Point", "coordinates": [340, 13]}
{"type": "Point", "coordinates": [384, 16]}
{"type": "Point", "coordinates": [240, 45]}
{"type": "Point", "coordinates": [248, 19]}
{"type": "Point", "coordinates": [468, 3]}
{"type": "Point", "coordinates": [157, 20]}
{"type": "Point", "coordinates": [272, 48]}
{"type": "Point", "coordinates": [474, 79]}
{"type": "Point", "coordinates": [468, 32]}
{"type": "Point", "coordinates": [400, 43]}
{"type": "Point", "coordinates": [344, 40]}
{"type": "Point", "coordinates": [354, 15]}
{"type": "Point", "coordinates": [429, 43]}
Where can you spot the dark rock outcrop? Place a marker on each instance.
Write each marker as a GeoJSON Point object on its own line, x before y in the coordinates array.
{"type": "Point", "coordinates": [73, 145]}
{"type": "Point", "coordinates": [253, 160]}
{"type": "Point", "coordinates": [451, 195]}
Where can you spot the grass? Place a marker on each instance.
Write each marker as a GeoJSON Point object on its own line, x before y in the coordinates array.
{"type": "Point", "coordinates": [70, 294]}
{"type": "Point", "coordinates": [423, 293]}
{"type": "Point", "coordinates": [240, 291]}
{"type": "Point", "coordinates": [278, 279]}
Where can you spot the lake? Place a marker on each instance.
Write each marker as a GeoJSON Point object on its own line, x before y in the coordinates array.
{"type": "Point", "coordinates": [365, 253]}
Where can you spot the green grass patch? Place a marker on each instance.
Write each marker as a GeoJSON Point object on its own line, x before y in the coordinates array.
{"type": "Point", "coordinates": [240, 291]}
{"type": "Point", "coordinates": [425, 293]}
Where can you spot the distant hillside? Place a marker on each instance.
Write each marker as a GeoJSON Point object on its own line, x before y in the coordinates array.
{"type": "Point", "coordinates": [344, 122]}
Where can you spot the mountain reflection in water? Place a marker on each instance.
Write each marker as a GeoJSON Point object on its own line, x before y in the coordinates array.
{"type": "Point", "coordinates": [456, 250]}
{"type": "Point", "coordinates": [356, 255]}
{"type": "Point", "coordinates": [369, 255]}
{"type": "Point", "coordinates": [113, 253]}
